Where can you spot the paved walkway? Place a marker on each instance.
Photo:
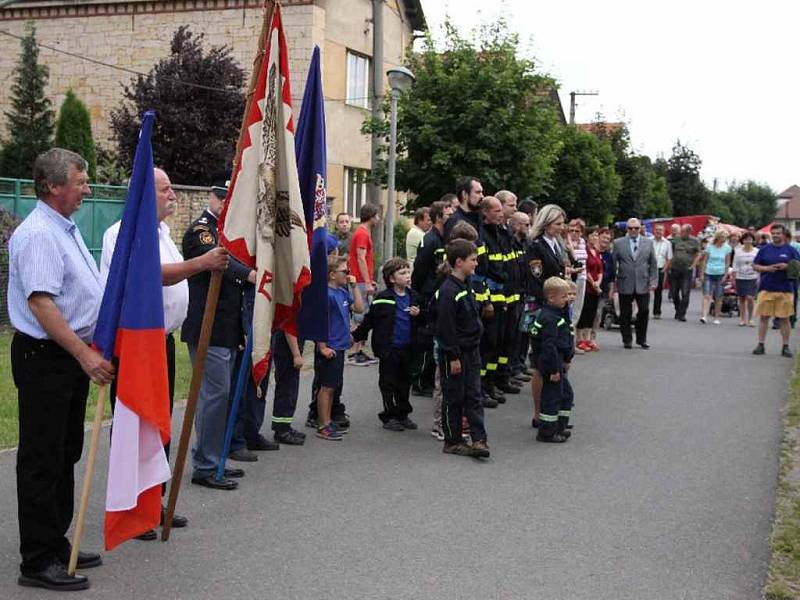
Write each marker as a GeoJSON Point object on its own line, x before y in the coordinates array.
{"type": "Point", "coordinates": [665, 491]}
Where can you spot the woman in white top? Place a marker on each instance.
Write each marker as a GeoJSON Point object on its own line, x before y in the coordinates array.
{"type": "Point", "coordinates": [577, 246]}
{"type": "Point", "coordinates": [746, 278]}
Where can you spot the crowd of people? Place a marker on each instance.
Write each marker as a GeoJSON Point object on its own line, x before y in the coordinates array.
{"type": "Point", "coordinates": [494, 294]}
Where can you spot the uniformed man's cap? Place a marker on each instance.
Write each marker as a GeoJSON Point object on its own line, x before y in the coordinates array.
{"type": "Point", "coordinates": [220, 188]}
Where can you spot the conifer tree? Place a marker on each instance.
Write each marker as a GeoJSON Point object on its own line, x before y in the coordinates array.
{"type": "Point", "coordinates": [74, 131]}
{"type": "Point", "coordinates": [30, 120]}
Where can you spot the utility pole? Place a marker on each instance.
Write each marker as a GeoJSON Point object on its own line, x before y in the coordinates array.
{"type": "Point", "coordinates": [572, 103]}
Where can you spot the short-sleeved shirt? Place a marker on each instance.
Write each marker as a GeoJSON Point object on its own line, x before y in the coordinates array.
{"type": "Point", "coordinates": [401, 338]}
{"type": "Point", "coordinates": [743, 263]}
{"type": "Point", "coordinates": [47, 254]}
{"type": "Point", "coordinates": [663, 250]}
{"type": "Point", "coordinates": [176, 297]}
{"type": "Point", "coordinates": [716, 257]}
{"type": "Point", "coordinates": [339, 303]}
{"type": "Point", "coordinates": [361, 239]}
{"type": "Point", "coordinates": [770, 255]}
{"type": "Point", "coordinates": [413, 239]}
{"type": "Point", "coordinates": [684, 251]}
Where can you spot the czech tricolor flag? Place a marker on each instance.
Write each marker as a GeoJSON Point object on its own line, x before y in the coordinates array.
{"type": "Point", "coordinates": [131, 327]}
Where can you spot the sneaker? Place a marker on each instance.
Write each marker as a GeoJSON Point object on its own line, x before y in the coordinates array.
{"type": "Point", "coordinates": [311, 423]}
{"type": "Point", "coordinates": [437, 433]}
{"type": "Point", "coordinates": [786, 352]}
{"type": "Point", "coordinates": [290, 437]}
{"type": "Point", "coordinates": [329, 432]}
{"type": "Point", "coordinates": [716, 322]}
{"type": "Point", "coordinates": [393, 425]}
{"type": "Point", "coordinates": [480, 449]}
{"type": "Point", "coordinates": [342, 423]}
{"type": "Point", "coordinates": [523, 377]}
{"type": "Point", "coordinates": [703, 320]}
{"type": "Point", "coordinates": [408, 423]}
{"type": "Point", "coordinates": [759, 349]}
{"type": "Point", "coordinates": [556, 438]}
{"type": "Point", "coordinates": [362, 359]}
{"type": "Point", "coordinates": [459, 449]}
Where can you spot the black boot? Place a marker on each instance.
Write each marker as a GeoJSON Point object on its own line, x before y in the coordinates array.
{"type": "Point", "coordinates": [504, 385]}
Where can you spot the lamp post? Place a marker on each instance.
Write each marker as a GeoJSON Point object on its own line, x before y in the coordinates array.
{"type": "Point", "coordinates": [400, 80]}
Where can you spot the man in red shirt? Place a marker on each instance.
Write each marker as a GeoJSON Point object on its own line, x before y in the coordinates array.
{"type": "Point", "coordinates": [361, 265]}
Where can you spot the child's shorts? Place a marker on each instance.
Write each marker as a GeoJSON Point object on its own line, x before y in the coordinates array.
{"type": "Point", "coordinates": [329, 371]}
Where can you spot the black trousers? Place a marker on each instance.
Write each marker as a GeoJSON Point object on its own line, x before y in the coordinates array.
{"type": "Point", "coordinates": [658, 293]}
{"type": "Point", "coordinates": [170, 341]}
{"type": "Point", "coordinates": [680, 283]}
{"type": "Point", "coordinates": [507, 342]}
{"type": "Point", "coordinates": [287, 383]}
{"type": "Point", "coordinates": [491, 342]}
{"type": "Point", "coordinates": [626, 310]}
{"type": "Point", "coordinates": [556, 409]}
{"type": "Point", "coordinates": [424, 367]}
{"type": "Point", "coordinates": [461, 397]}
{"type": "Point", "coordinates": [52, 390]}
{"type": "Point", "coordinates": [394, 382]}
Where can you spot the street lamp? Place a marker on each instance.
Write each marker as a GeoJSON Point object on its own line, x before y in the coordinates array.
{"type": "Point", "coordinates": [400, 80]}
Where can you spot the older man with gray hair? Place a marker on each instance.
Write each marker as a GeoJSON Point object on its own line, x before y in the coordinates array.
{"type": "Point", "coordinates": [637, 275]}
{"type": "Point", "coordinates": [54, 295]}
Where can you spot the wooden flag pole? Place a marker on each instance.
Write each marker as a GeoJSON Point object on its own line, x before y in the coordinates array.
{"type": "Point", "coordinates": [87, 478]}
{"type": "Point", "coordinates": [191, 402]}
{"type": "Point", "coordinates": [211, 307]}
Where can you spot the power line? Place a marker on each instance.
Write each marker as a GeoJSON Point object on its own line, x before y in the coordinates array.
{"type": "Point", "coordinates": [170, 79]}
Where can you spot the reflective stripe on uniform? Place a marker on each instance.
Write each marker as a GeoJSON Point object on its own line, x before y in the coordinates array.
{"type": "Point", "coordinates": [383, 301]}
{"type": "Point", "coordinates": [287, 420]}
{"type": "Point", "coordinates": [497, 256]}
{"type": "Point", "coordinates": [483, 372]}
{"type": "Point", "coordinates": [491, 366]}
{"type": "Point", "coordinates": [565, 413]}
{"type": "Point", "coordinates": [560, 322]}
{"type": "Point", "coordinates": [460, 295]}
{"type": "Point", "coordinates": [548, 418]}
{"type": "Point", "coordinates": [502, 360]}
{"type": "Point", "coordinates": [481, 249]}
{"type": "Point", "coordinates": [497, 297]}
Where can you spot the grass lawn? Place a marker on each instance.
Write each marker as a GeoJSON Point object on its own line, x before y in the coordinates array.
{"type": "Point", "coordinates": [9, 430]}
{"type": "Point", "coordinates": [783, 577]}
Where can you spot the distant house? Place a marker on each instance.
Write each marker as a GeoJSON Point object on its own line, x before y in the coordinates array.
{"type": "Point", "coordinates": [601, 127]}
{"type": "Point", "coordinates": [787, 212]}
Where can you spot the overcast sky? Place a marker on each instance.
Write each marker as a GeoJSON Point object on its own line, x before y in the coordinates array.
{"type": "Point", "coordinates": [723, 77]}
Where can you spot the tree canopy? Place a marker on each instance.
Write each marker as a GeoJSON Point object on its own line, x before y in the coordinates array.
{"type": "Point", "coordinates": [478, 109]}
{"type": "Point", "coordinates": [30, 120]}
{"type": "Point", "coordinates": [199, 101]}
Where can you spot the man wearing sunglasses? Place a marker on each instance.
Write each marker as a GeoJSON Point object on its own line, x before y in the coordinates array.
{"type": "Point", "coordinates": [636, 277]}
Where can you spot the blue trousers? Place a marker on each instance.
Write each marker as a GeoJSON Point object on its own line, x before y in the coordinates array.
{"type": "Point", "coordinates": [212, 408]}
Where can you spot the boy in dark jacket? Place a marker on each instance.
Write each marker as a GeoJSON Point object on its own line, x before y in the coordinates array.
{"type": "Point", "coordinates": [459, 330]}
{"type": "Point", "coordinates": [393, 318]}
{"type": "Point", "coordinates": [553, 348]}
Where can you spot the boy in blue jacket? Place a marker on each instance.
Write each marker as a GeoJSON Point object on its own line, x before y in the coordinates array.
{"type": "Point", "coordinates": [393, 318]}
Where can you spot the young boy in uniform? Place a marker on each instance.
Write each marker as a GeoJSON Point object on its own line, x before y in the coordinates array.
{"type": "Point", "coordinates": [459, 330]}
{"type": "Point", "coordinates": [393, 317]}
{"type": "Point", "coordinates": [329, 356]}
{"type": "Point", "coordinates": [553, 348]}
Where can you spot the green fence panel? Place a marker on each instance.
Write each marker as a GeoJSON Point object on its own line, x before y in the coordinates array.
{"type": "Point", "coordinates": [99, 211]}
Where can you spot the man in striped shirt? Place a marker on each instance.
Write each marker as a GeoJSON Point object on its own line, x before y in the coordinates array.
{"type": "Point", "coordinates": [54, 295]}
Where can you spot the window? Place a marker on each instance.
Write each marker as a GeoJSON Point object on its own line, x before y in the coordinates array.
{"type": "Point", "coordinates": [357, 80]}
{"type": "Point", "coordinates": [797, 225]}
{"type": "Point", "coordinates": [355, 190]}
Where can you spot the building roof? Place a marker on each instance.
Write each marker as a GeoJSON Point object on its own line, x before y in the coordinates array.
{"type": "Point", "coordinates": [788, 203]}
{"type": "Point", "coordinates": [610, 128]}
{"type": "Point", "coordinates": [414, 14]}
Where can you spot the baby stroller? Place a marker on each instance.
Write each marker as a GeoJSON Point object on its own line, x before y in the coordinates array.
{"type": "Point", "coordinates": [608, 316]}
{"type": "Point", "coordinates": [729, 301]}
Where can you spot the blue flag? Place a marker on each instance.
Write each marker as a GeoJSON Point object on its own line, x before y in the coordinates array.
{"type": "Point", "coordinates": [312, 323]}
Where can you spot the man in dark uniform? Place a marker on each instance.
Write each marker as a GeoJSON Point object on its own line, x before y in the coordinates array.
{"type": "Point", "coordinates": [519, 225]}
{"type": "Point", "coordinates": [470, 195]}
{"type": "Point", "coordinates": [425, 281]}
{"type": "Point", "coordinates": [495, 246]}
{"type": "Point", "coordinates": [226, 338]}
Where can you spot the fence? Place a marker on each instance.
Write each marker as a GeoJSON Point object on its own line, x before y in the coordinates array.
{"type": "Point", "coordinates": [97, 213]}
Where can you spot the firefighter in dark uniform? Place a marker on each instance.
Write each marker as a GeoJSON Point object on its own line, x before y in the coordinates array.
{"type": "Point", "coordinates": [519, 227]}
{"type": "Point", "coordinates": [425, 280]}
{"type": "Point", "coordinates": [226, 339]}
{"type": "Point", "coordinates": [493, 250]}
{"type": "Point", "coordinates": [470, 195]}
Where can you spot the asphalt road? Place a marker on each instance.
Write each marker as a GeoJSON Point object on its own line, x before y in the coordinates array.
{"type": "Point", "coordinates": [665, 491]}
